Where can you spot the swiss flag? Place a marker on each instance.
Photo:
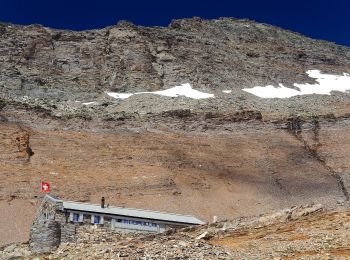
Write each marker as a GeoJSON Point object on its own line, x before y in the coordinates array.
{"type": "Point", "coordinates": [45, 187]}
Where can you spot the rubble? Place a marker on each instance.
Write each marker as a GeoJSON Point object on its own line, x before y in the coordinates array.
{"type": "Point", "coordinates": [311, 229]}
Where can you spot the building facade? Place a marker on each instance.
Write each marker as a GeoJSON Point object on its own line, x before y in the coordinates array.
{"type": "Point", "coordinates": [60, 221]}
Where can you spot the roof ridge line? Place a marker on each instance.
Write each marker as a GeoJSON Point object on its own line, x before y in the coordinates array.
{"type": "Point", "coordinates": [118, 207]}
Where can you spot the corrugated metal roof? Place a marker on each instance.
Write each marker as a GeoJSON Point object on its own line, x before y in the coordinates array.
{"type": "Point", "coordinates": [129, 212]}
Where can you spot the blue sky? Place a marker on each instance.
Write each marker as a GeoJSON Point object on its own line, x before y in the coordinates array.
{"type": "Point", "coordinates": [328, 20]}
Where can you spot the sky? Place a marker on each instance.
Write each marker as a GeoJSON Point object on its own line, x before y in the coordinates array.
{"type": "Point", "coordinates": [327, 20]}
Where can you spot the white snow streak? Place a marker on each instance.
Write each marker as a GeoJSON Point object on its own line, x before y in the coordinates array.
{"type": "Point", "coordinates": [227, 91]}
{"type": "Point", "coordinates": [182, 90]}
{"type": "Point", "coordinates": [119, 95]}
{"type": "Point", "coordinates": [326, 84]}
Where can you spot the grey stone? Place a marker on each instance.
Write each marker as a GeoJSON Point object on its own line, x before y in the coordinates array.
{"type": "Point", "coordinates": [45, 236]}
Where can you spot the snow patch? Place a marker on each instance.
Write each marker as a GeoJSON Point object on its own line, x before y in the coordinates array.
{"type": "Point", "coordinates": [89, 103]}
{"type": "Point", "coordinates": [326, 84]}
{"type": "Point", "coordinates": [227, 91]}
{"type": "Point", "coordinates": [119, 95]}
{"type": "Point", "coordinates": [182, 90]}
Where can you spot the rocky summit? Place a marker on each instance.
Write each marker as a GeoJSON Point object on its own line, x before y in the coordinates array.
{"type": "Point", "coordinates": [56, 72]}
{"type": "Point", "coordinates": [227, 118]}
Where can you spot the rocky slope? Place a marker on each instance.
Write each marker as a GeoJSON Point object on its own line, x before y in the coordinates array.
{"type": "Point", "coordinates": [232, 155]}
{"type": "Point", "coordinates": [49, 70]}
{"type": "Point", "coordinates": [297, 233]}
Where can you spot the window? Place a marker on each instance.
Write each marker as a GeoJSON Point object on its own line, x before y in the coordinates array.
{"type": "Point", "coordinates": [46, 214]}
{"type": "Point", "coordinates": [134, 225]}
{"type": "Point", "coordinates": [96, 219]}
{"type": "Point", "coordinates": [135, 222]}
{"type": "Point", "coordinates": [76, 217]}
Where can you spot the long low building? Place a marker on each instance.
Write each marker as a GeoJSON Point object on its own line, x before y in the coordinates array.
{"type": "Point", "coordinates": [58, 221]}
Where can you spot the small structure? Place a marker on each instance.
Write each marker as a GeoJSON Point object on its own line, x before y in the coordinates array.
{"type": "Point", "coordinates": [58, 221]}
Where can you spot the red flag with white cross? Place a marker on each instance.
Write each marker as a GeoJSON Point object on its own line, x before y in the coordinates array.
{"type": "Point", "coordinates": [45, 187]}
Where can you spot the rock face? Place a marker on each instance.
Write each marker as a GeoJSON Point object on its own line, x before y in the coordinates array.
{"type": "Point", "coordinates": [210, 54]}
{"type": "Point", "coordinates": [49, 70]}
{"type": "Point", "coordinates": [16, 145]}
{"type": "Point", "coordinates": [230, 155]}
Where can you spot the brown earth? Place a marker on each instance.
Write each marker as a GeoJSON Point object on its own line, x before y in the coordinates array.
{"type": "Point", "coordinates": [16, 217]}
{"type": "Point", "coordinates": [323, 236]}
{"type": "Point", "coordinates": [248, 169]}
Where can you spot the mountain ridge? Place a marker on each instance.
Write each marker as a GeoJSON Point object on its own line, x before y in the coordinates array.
{"type": "Point", "coordinates": [231, 155]}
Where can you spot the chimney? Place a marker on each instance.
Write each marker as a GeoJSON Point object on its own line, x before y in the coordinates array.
{"type": "Point", "coordinates": [102, 202]}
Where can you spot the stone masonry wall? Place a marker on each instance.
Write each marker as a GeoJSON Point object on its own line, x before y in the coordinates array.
{"type": "Point", "coordinates": [45, 236]}
{"type": "Point", "coordinates": [79, 231]}
{"type": "Point", "coordinates": [68, 233]}
{"type": "Point", "coordinates": [45, 232]}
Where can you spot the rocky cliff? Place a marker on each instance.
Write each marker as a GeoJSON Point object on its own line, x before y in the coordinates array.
{"type": "Point", "coordinates": [55, 71]}
{"type": "Point", "coordinates": [68, 115]}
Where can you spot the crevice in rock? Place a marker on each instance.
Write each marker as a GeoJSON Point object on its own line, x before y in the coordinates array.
{"type": "Point", "coordinates": [294, 127]}
{"type": "Point", "coordinates": [277, 181]}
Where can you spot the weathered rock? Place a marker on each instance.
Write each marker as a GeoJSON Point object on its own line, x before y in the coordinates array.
{"type": "Point", "coordinates": [48, 69]}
